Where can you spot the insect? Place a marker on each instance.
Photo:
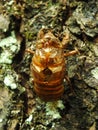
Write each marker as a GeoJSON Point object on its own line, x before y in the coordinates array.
{"type": "Point", "coordinates": [48, 66]}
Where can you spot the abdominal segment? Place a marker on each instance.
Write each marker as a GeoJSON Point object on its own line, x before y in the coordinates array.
{"type": "Point", "coordinates": [48, 69]}
{"type": "Point", "coordinates": [48, 85]}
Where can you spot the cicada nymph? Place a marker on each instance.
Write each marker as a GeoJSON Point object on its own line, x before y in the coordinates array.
{"type": "Point", "coordinates": [48, 67]}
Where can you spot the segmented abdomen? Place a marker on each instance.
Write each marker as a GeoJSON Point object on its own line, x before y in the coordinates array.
{"type": "Point", "coordinates": [48, 74]}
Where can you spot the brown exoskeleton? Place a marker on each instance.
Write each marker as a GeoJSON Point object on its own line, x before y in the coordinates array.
{"type": "Point", "coordinates": [48, 66]}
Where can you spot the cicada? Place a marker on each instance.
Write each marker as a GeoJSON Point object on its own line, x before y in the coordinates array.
{"type": "Point", "coordinates": [48, 66]}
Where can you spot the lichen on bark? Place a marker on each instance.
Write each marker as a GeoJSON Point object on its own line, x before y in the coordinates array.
{"type": "Point", "coordinates": [26, 18]}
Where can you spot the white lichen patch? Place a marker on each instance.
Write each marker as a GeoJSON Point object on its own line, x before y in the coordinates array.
{"type": "Point", "coordinates": [95, 48]}
{"type": "Point", "coordinates": [4, 22]}
{"type": "Point", "coordinates": [95, 72]}
{"type": "Point", "coordinates": [10, 82]}
{"type": "Point", "coordinates": [9, 47]}
{"type": "Point", "coordinates": [6, 57]}
{"type": "Point", "coordinates": [1, 120]}
{"type": "Point", "coordinates": [52, 109]}
{"type": "Point", "coordinates": [29, 119]}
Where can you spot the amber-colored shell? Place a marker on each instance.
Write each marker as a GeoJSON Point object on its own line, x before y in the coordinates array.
{"type": "Point", "coordinates": [48, 65]}
{"type": "Point", "coordinates": [48, 68]}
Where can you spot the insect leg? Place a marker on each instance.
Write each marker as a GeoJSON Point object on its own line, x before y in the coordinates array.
{"type": "Point", "coordinates": [65, 40]}
{"type": "Point", "coordinates": [71, 53]}
{"type": "Point", "coordinates": [29, 51]}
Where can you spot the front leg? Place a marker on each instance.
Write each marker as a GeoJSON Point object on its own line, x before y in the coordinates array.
{"type": "Point", "coordinates": [30, 51]}
{"type": "Point", "coordinates": [71, 53]}
{"type": "Point", "coordinates": [65, 40]}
